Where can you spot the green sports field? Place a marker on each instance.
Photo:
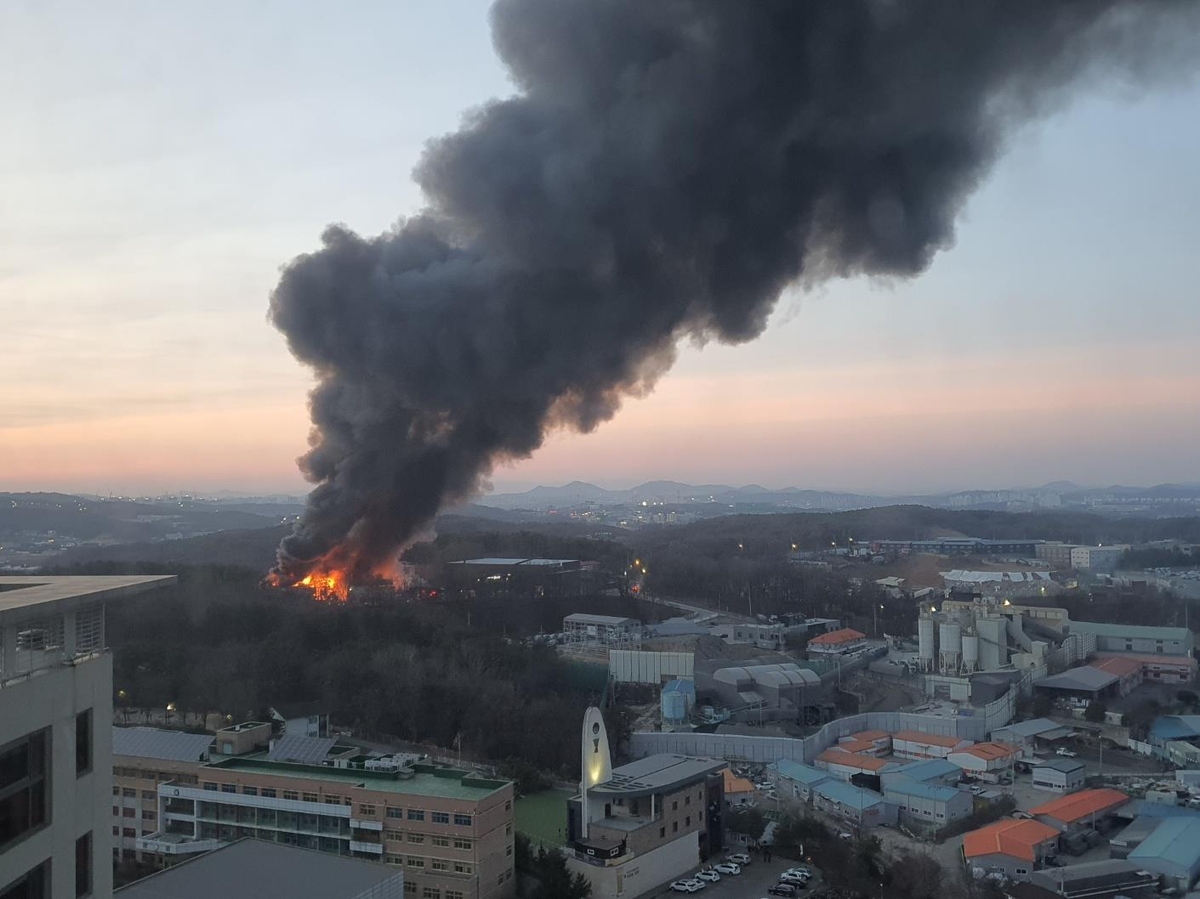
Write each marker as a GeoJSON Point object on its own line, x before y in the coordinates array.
{"type": "Point", "coordinates": [543, 816]}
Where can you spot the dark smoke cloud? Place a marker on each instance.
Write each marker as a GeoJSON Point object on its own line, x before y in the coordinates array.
{"type": "Point", "coordinates": [665, 170]}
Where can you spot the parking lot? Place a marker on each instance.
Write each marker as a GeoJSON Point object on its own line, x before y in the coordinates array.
{"type": "Point", "coordinates": [752, 883]}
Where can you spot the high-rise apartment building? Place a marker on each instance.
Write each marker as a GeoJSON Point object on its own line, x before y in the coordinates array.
{"type": "Point", "coordinates": [55, 717]}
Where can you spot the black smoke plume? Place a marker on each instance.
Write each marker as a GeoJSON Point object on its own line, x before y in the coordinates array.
{"type": "Point", "coordinates": [665, 169]}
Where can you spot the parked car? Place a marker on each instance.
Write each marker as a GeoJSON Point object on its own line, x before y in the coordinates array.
{"type": "Point", "coordinates": [707, 874]}
{"type": "Point", "coordinates": [738, 858]}
{"type": "Point", "coordinates": [844, 835]}
{"type": "Point", "coordinates": [784, 889]}
{"type": "Point", "coordinates": [793, 877]}
{"type": "Point", "coordinates": [728, 868]}
{"type": "Point", "coordinates": [686, 886]}
{"type": "Point", "coordinates": [802, 870]}
{"type": "Point", "coordinates": [1065, 752]}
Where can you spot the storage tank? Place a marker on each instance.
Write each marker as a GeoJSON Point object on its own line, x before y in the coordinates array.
{"type": "Point", "coordinates": [674, 706]}
{"type": "Point", "coordinates": [993, 643]}
{"type": "Point", "coordinates": [970, 652]}
{"type": "Point", "coordinates": [925, 648]}
{"type": "Point", "coordinates": [950, 642]}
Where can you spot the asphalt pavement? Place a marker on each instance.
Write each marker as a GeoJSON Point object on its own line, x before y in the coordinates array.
{"type": "Point", "coordinates": [752, 883]}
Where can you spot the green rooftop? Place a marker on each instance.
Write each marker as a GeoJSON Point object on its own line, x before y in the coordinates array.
{"type": "Point", "coordinates": [428, 780]}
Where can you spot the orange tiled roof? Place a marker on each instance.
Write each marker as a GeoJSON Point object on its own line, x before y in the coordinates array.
{"type": "Point", "coordinates": [1008, 837]}
{"type": "Point", "coordinates": [916, 736]}
{"type": "Point", "coordinates": [735, 784]}
{"type": "Point", "coordinates": [1169, 661]}
{"type": "Point", "coordinates": [870, 735]}
{"type": "Point", "coordinates": [837, 638]}
{"type": "Point", "coordinates": [852, 759]}
{"type": "Point", "coordinates": [1077, 806]}
{"type": "Point", "coordinates": [989, 752]}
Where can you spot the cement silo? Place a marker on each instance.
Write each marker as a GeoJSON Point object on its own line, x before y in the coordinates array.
{"type": "Point", "coordinates": [993, 642]}
{"type": "Point", "coordinates": [950, 639]}
{"type": "Point", "coordinates": [926, 651]}
{"type": "Point", "coordinates": [970, 652]}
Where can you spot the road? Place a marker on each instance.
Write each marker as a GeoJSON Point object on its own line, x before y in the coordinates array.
{"type": "Point", "coordinates": [687, 607]}
{"type": "Point", "coordinates": [752, 883]}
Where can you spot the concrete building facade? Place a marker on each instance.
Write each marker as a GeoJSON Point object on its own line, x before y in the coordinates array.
{"type": "Point", "coordinates": [55, 716]}
{"type": "Point", "coordinates": [916, 745]}
{"type": "Point", "coordinates": [1010, 847]}
{"type": "Point", "coordinates": [927, 805]}
{"type": "Point", "coordinates": [1059, 775]}
{"type": "Point", "coordinates": [986, 761]}
{"type": "Point", "coordinates": [1137, 639]}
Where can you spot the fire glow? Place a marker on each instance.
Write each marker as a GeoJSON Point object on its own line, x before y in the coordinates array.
{"type": "Point", "coordinates": [332, 584]}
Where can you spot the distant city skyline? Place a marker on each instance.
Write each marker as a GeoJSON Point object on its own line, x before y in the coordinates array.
{"type": "Point", "coordinates": [151, 196]}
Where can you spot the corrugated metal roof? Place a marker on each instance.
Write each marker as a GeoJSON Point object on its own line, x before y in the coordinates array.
{"type": "Point", "coordinates": [1131, 631]}
{"type": "Point", "coordinates": [923, 739]}
{"type": "Point", "coordinates": [907, 787]}
{"type": "Point", "coordinates": [1077, 806]}
{"type": "Point", "coordinates": [1175, 840]}
{"type": "Point", "coordinates": [804, 774]}
{"type": "Point", "coordinates": [1086, 678]}
{"type": "Point", "coordinates": [847, 795]}
{"type": "Point", "coordinates": [1008, 837]}
{"type": "Point", "coordinates": [1175, 727]}
{"type": "Point", "coordinates": [301, 748]}
{"type": "Point", "coordinates": [258, 868]}
{"type": "Point", "coordinates": [606, 620]}
{"type": "Point", "coordinates": [933, 769]}
{"type": "Point", "coordinates": [990, 752]}
{"type": "Point", "coordinates": [154, 743]}
{"type": "Point", "coordinates": [834, 756]}
{"type": "Point", "coordinates": [836, 638]}
{"type": "Point", "coordinates": [1031, 728]}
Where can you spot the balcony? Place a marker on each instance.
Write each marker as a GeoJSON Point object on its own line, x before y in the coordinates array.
{"type": "Point", "coordinates": [370, 848]}
{"type": "Point", "coordinates": [366, 825]}
{"type": "Point", "coordinates": [174, 844]}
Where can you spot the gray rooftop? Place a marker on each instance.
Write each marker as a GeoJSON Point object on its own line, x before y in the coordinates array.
{"type": "Point", "coordinates": [1085, 679]}
{"type": "Point", "coordinates": [1131, 631]}
{"type": "Point", "coordinates": [166, 745]}
{"type": "Point", "coordinates": [655, 774]}
{"type": "Point", "coordinates": [1098, 874]}
{"type": "Point", "coordinates": [1066, 766]}
{"type": "Point", "coordinates": [27, 596]}
{"type": "Point", "coordinates": [602, 620]}
{"type": "Point", "coordinates": [300, 748]}
{"type": "Point", "coordinates": [1035, 728]}
{"type": "Point", "coordinates": [251, 868]}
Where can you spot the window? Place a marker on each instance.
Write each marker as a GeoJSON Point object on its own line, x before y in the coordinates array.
{"type": "Point", "coordinates": [249, 791]}
{"type": "Point", "coordinates": [463, 868]}
{"type": "Point", "coordinates": [687, 800]}
{"type": "Point", "coordinates": [83, 743]}
{"type": "Point", "coordinates": [210, 786]}
{"type": "Point", "coordinates": [439, 864]}
{"type": "Point", "coordinates": [415, 862]}
{"type": "Point", "coordinates": [116, 791]}
{"type": "Point", "coordinates": [462, 844]}
{"type": "Point", "coordinates": [431, 893]}
{"type": "Point", "coordinates": [365, 808]}
{"type": "Point", "coordinates": [416, 814]}
{"type": "Point", "coordinates": [508, 850]}
{"type": "Point", "coordinates": [116, 831]}
{"type": "Point", "coordinates": [83, 865]}
{"type": "Point", "coordinates": [268, 792]}
{"type": "Point", "coordinates": [410, 887]}
{"type": "Point", "coordinates": [416, 838]}
{"type": "Point", "coordinates": [393, 835]}
{"type": "Point", "coordinates": [508, 805]}
{"type": "Point", "coordinates": [395, 813]}
{"type": "Point", "coordinates": [674, 827]}
{"type": "Point", "coordinates": [148, 815]}
{"type": "Point", "coordinates": [149, 795]}
{"type": "Point", "coordinates": [333, 800]}
{"type": "Point", "coordinates": [462, 820]}
{"type": "Point", "coordinates": [33, 884]}
{"type": "Point", "coordinates": [311, 797]}
{"type": "Point", "coordinates": [291, 794]}
{"type": "Point", "coordinates": [228, 788]}
{"type": "Point", "coordinates": [687, 822]}
{"type": "Point", "coordinates": [662, 832]}
{"type": "Point", "coordinates": [508, 830]}
{"type": "Point", "coordinates": [439, 817]}
{"type": "Point", "coordinates": [128, 812]}
{"type": "Point", "coordinates": [129, 794]}
{"type": "Point", "coordinates": [395, 859]}
{"type": "Point", "coordinates": [675, 806]}
{"type": "Point", "coordinates": [129, 833]}
{"type": "Point", "coordinates": [116, 810]}
{"type": "Point", "coordinates": [454, 894]}
{"type": "Point", "coordinates": [1022, 870]}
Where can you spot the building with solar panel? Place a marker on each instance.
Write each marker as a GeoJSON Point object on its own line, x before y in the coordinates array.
{"type": "Point", "coordinates": [451, 831]}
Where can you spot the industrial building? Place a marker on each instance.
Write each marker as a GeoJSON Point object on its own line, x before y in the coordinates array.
{"type": "Point", "coordinates": [955, 546]}
{"type": "Point", "coordinates": [516, 578]}
{"type": "Point", "coordinates": [1010, 847]}
{"type": "Point", "coordinates": [794, 779]}
{"type": "Point", "coordinates": [845, 765]}
{"type": "Point", "coordinates": [867, 742]}
{"type": "Point", "coordinates": [449, 830]}
{"type": "Point", "coordinates": [1084, 810]}
{"type": "Point", "coordinates": [640, 666]}
{"type": "Point", "coordinates": [1002, 584]}
{"type": "Point", "coordinates": [1030, 736]}
{"type": "Point", "coordinates": [1084, 682]}
{"type": "Point", "coordinates": [738, 790]}
{"type": "Point", "coordinates": [583, 632]}
{"type": "Point", "coordinates": [1160, 669]}
{"type": "Point", "coordinates": [1172, 851]}
{"type": "Point", "coordinates": [931, 771]}
{"type": "Point", "coordinates": [55, 716]}
{"type": "Point", "coordinates": [143, 758]}
{"type": "Point", "coordinates": [1082, 558]}
{"type": "Point", "coordinates": [858, 807]}
{"type": "Point", "coordinates": [914, 744]}
{"type": "Point", "coordinates": [760, 692]}
{"type": "Point", "coordinates": [1142, 640]}
{"type": "Point", "coordinates": [252, 868]}
{"type": "Point", "coordinates": [837, 643]}
{"type": "Point", "coordinates": [636, 826]}
{"type": "Point", "coordinates": [1059, 775]}
{"type": "Point", "coordinates": [986, 761]}
{"type": "Point", "coordinates": [927, 805]}
{"type": "Point", "coordinates": [1096, 880]}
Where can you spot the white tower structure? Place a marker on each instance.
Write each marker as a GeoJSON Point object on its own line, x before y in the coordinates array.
{"type": "Point", "coordinates": [950, 638]}
{"type": "Point", "coordinates": [926, 652]}
{"type": "Point", "coordinates": [595, 760]}
{"type": "Point", "coordinates": [970, 653]}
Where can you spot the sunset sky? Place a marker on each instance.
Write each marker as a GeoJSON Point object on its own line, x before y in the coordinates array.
{"type": "Point", "coordinates": [154, 179]}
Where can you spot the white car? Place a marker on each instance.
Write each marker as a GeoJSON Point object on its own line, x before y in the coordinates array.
{"type": "Point", "coordinates": [1063, 751]}
{"type": "Point", "coordinates": [793, 877]}
{"type": "Point", "coordinates": [686, 886]}
{"type": "Point", "coordinates": [728, 868]}
{"type": "Point", "coordinates": [845, 836]}
{"type": "Point", "coordinates": [799, 869]}
{"type": "Point", "coordinates": [738, 858]}
{"type": "Point", "coordinates": [707, 874]}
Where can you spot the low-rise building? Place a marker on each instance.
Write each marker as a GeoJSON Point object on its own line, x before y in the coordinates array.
{"type": "Point", "coordinates": [143, 758]}
{"type": "Point", "coordinates": [1160, 669]}
{"type": "Point", "coordinates": [854, 805]}
{"type": "Point", "coordinates": [1097, 558]}
{"type": "Point", "coordinates": [986, 761]}
{"type": "Point", "coordinates": [844, 765]}
{"type": "Point", "coordinates": [1084, 682]}
{"type": "Point", "coordinates": [1030, 736]}
{"type": "Point", "coordinates": [930, 771]}
{"type": "Point", "coordinates": [1139, 639]}
{"type": "Point", "coordinates": [449, 830]}
{"type": "Point", "coordinates": [1172, 851]}
{"type": "Point", "coordinates": [925, 804]}
{"type": "Point", "coordinates": [308, 719]}
{"type": "Point", "coordinates": [915, 744]}
{"type": "Point", "coordinates": [868, 742]}
{"type": "Point", "coordinates": [1059, 775]}
{"type": "Point", "coordinates": [252, 868]}
{"type": "Point", "coordinates": [1096, 880]}
{"type": "Point", "coordinates": [1084, 810]}
{"type": "Point", "coordinates": [738, 790]}
{"type": "Point", "coordinates": [795, 780]}
{"type": "Point", "coordinates": [1010, 847]}
{"type": "Point", "coordinates": [1127, 671]}
{"type": "Point", "coordinates": [835, 643]}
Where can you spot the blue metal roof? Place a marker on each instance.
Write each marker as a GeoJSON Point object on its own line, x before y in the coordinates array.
{"type": "Point", "coordinates": [933, 769]}
{"type": "Point", "coordinates": [805, 774]}
{"type": "Point", "coordinates": [847, 795]}
{"type": "Point", "coordinates": [932, 792]}
{"type": "Point", "coordinates": [1175, 727]}
{"type": "Point", "coordinates": [1144, 808]}
{"type": "Point", "coordinates": [1176, 840]}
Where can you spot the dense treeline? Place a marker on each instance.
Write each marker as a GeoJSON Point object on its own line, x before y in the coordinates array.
{"type": "Point", "coordinates": [219, 641]}
{"type": "Point", "coordinates": [1159, 557]}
